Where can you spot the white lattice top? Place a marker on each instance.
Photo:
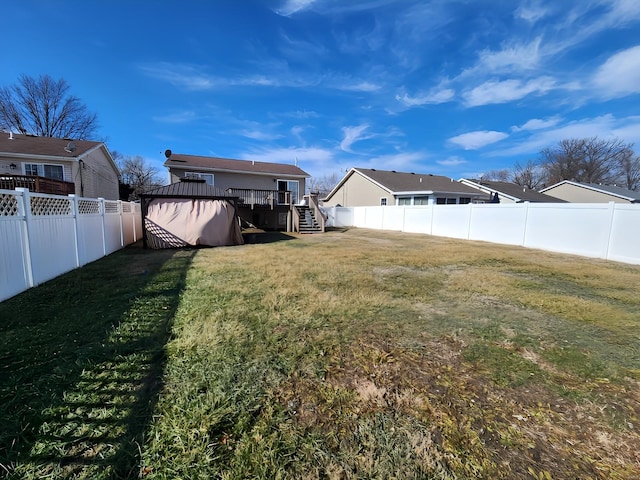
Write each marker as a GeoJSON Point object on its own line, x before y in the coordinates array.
{"type": "Point", "coordinates": [111, 207]}
{"type": "Point", "coordinates": [8, 205]}
{"type": "Point", "coordinates": [50, 206]}
{"type": "Point", "coordinates": [86, 207]}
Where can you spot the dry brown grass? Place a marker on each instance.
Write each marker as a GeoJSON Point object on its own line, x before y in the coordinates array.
{"type": "Point", "coordinates": [380, 354]}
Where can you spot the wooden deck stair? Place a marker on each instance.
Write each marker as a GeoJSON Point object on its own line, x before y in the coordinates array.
{"type": "Point", "coordinates": [308, 222]}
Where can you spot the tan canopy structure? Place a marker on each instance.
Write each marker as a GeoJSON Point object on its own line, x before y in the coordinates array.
{"type": "Point", "coordinates": [189, 213]}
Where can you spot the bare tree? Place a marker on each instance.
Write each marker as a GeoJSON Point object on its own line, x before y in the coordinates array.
{"type": "Point", "coordinates": [630, 170]}
{"type": "Point", "coordinates": [44, 107]}
{"type": "Point", "coordinates": [588, 160]}
{"type": "Point", "coordinates": [497, 175]}
{"type": "Point", "coordinates": [139, 175]}
{"type": "Point", "coordinates": [322, 185]}
{"type": "Point", "coordinates": [529, 175]}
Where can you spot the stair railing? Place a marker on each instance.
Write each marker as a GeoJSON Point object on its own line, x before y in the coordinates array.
{"type": "Point", "coordinates": [315, 208]}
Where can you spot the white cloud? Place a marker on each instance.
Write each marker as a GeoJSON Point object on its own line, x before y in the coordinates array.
{"type": "Point", "coordinates": [505, 91]}
{"type": "Point", "coordinates": [531, 11]}
{"type": "Point", "coordinates": [405, 161]}
{"type": "Point", "coordinates": [177, 117]}
{"type": "Point", "coordinates": [357, 86]}
{"type": "Point", "coordinates": [289, 155]}
{"type": "Point", "coordinates": [605, 126]}
{"type": "Point", "coordinates": [433, 97]}
{"type": "Point", "coordinates": [352, 135]}
{"type": "Point", "coordinates": [478, 139]}
{"type": "Point", "coordinates": [620, 74]}
{"type": "Point", "coordinates": [259, 135]}
{"type": "Point", "coordinates": [182, 76]}
{"type": "Point", "coordinates": [510, 58]}
{"type": "Point", "coordinates": [293, 6]}
{"type": "Point", "coordinates": [537, 124]}
{"type": "Point", "coordinates": [451, 162]}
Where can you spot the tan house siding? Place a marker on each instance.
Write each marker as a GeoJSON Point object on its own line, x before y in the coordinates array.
{"type": "Point", "coordinates": [99, 180]}
{"type": "Point", "coordinates": [576, 194]}
{"type": "Point", "coordinates": [358, 191]}
{"type": "Point", "coordinates": [224, 180]}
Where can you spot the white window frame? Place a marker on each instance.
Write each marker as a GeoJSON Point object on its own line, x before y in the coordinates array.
{"type": "Point", "coordinates": [383, 201]}
{"type": "Point", "coordinates": [295, 195]}
{"type": "Point", "coordinates": [202, 176]}
{"type": "Point", "coordinates": [40, 169]}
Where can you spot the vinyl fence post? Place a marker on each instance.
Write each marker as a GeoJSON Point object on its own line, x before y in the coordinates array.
{"type": "Point", "coordinates": [120, 216]}
{"type": "Point", "coordinates": [526, 221]}
{"type": "Point", "coordinates": [607, 247]}
{"type": "Point", "coordinates": [104, 226]}
{"type": "Point", "coordinates": [76, 231]}
{"type": "Point", "coordinates": [24, 205]}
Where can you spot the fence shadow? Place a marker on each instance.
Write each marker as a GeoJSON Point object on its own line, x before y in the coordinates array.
{"type": "Point", "coordinates": [81, 365]}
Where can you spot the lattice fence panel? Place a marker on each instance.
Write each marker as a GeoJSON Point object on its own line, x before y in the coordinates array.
{"type": "Point", "coordinates": [8, 205]}
{"type": "Point", "coordinates": [50, 206]}
{"type": "Point", "coordinates": [86, 207]}
{"type": "Point", "coordinates": [111, 207]}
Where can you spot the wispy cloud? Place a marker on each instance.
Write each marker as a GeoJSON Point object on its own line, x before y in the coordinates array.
{"type": "Point", "coordinates": [620, 74]}
{"type": "Point", "coordinates": [452, 162]}
{"type": "Point", "coordinates": [432, 97]}
{"type": "Point", "coordinates": [537, 124]}
{"type": "Point", "coordinates": [478, 139]}
{"type": "Point", "coordinates": [293, 6]}
{"type": "Point", "coordinates": [187, 77]}
{"type": "Point", "coordinates": [186, 116]}
{"type": "Point", "coordinates": [531, 11]}
{"type": "Point", "coordinates": [494, 91]}
{"type": "Point", "coordinates": [352, 135]}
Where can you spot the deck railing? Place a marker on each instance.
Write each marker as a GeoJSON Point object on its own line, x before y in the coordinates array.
{"type": "Point", "coordinates": [263, 198]}
{"type": "Point", "coordinates": [37, 184]}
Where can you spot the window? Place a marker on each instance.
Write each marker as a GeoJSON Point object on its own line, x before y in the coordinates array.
{"type": "Point", "coordinates": [441, 201]}
{"type": "Point", "coordinates": [404, 201]}
{"type": "Point", "coordinates": [451, 201]}
{"type": "Point", "coordinates": [421, 200]}
{"type": "Point", "coordinates": [207, 177]}
{"type": "Point", "coordinates": [55, 172]}
{"type": "Point", "coordinates": [465, 200]}
{"type": "Point", "coordinates": [290, 186]}
{"type": "Point", "coordinates": [383, 201]}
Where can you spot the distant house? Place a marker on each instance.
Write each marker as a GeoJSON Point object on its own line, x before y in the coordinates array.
{"type": "Point", "coordinates": [576, 192]}
{"type": "Point", "coordinates": [58, 166]}
{"type": "Point", "coordinates": [265, 191]}
{"type": "Point", "coordinates": [508, 192]}
{"type": "Point", "coordinates": [369, 187]}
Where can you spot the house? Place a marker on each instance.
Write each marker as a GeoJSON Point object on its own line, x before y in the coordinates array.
{"type": "Point", "coordinates": [189, 212]}
{"type": "Point", "coordinates": [58, 166]}
{"type": "Point", "coordinates": [369, 187]}
{"type": "Point", "coordinates": [576, 192]}
{"type": "Point", "coordinates": [508, 192]}
{"type": "Point", "coordinates": [266, 191]}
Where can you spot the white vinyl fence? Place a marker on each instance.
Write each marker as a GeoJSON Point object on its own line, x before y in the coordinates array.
{"type": "Point", "coordinates": [600, 230]}
{"type": "Point", "coordinates": [43, 236]}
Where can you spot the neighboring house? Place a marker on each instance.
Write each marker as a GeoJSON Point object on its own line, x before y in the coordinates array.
{"type": "Point", "coordinates": [369, 186]}
{"type": "Point", "coordinates": [508, 192]}
{"type": "Point", "coordinates": [266, 191]}
{"type": "Point", "coordinates": [58, 166]}
{"type": "Point", "coordinates": [576, 192]}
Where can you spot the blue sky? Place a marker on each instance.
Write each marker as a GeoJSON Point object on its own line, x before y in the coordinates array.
{"type": "Point", "coordinates": [454, 88]}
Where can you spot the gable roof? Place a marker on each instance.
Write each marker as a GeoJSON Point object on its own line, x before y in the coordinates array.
{"type": "Point", "coordinates": [47, 148]}
{"type": "Point", "coordinates": [216, 164]}
{"type": "Point", "coordinates": [624, 193]}
{"type": "Point", "coordinates": [187, 189]}
{"type": "Point", "coordinates": [398, 183]}
{"type": "Point", "coordinates": [515, 192]}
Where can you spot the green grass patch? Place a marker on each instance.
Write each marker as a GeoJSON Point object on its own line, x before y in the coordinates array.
{"type": "Point", "coordinates": [353, 354]}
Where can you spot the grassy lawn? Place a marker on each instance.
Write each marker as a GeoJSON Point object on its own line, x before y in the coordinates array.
{"type": "Point", "coordinates": [353, 354]}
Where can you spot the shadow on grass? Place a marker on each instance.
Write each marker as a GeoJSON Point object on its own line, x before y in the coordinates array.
{"type": "Point", "coordinates": [266, 237]}
{"type": "Point", "coordinates": [81, 364]}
